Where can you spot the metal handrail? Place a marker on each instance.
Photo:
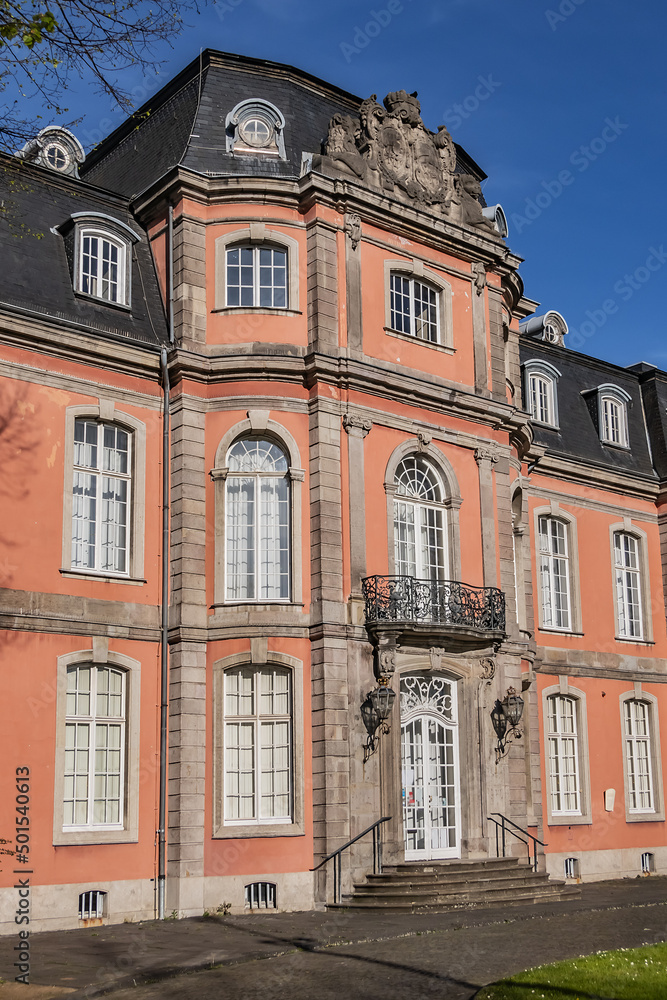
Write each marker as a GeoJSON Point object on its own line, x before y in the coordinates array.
{"type": "Point", "coordinates": [406, 598]}
{"type": "Point", "coordinates": [531, 861]}
{"type": "Point", "coordinates": [336, 855]}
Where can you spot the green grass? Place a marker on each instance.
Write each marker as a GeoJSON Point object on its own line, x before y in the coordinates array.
{"type": "Point", "coordinates": [628, 974]}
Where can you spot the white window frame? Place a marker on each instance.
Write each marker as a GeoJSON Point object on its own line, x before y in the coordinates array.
{"type": "Point", "coordinates": [258, 424]}
{"type": "Point", "coordinates": [259, 657]}
{"type": "Point", "coordinates": [256, 249]}
{"type": "Point", "coordinates": [258, 722]}
{"type": "Point", "coordinates": [97, 474]}
{"type": "Point", "coordinates": [563, 748]}
{"type": "Point", "coordinates": [105, 412]}
{"type": "Point", "coordinates": [92, 721]}
{"type": "Point", "coordinates": [641, 572]}
{"type": "Point", "coordinates": [415, 295]}
{"type": "Point", "coordinates": [258, 235]}
{"type": "Point", "coordinates": [554, 566]}
{"type": "Point", "coordinates": [544, 560]}
{"type": "Point", "coordinates": [128, 830]}
{"type": "Point", "coordinates": [627, 582]}
{"type": "Point", "coordinates": [260, 544]}
{"type": "Point", "coordinates": [582, 814]}
{"type": "Point", "coordinates": [631, 740]}
{"type": "Point", "coordinates": [538, 372]}
{"type": "Point", "coordinates": [423, 511]}
{"type": "Point", "coordinates": [613, 399]}
{"type": "Point", "coordinates": [415, 271]}
{"type": "Point", "coordinates": [102, 237]}
{"type": "Point", "coordinates": [100, 225]}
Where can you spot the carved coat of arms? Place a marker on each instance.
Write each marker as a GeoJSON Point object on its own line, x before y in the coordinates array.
{"type": "Point", "coordinates": [389, 147]}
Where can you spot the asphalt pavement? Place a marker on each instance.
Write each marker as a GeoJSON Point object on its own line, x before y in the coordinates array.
{"type": "Point", "coordinates": [334, 954]}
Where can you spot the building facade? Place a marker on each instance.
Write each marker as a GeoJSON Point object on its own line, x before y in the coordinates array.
{"type": "Point", "coordinates": [287, 318]}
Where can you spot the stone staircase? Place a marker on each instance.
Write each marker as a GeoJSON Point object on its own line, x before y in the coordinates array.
{"type": "Point", "coordinates": [443, 885]}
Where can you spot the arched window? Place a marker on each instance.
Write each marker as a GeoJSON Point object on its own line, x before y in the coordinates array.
{"type": "Point", "coordinates": [613, 415]}
{"type": "Point", "coordinates": [541, 399]}
{"type": "Point", "coordinates": [420, 537]}
{"type": "Point", "coordinates": [257, 522]}
{"type": "Point", "coordinates": [102, 266]}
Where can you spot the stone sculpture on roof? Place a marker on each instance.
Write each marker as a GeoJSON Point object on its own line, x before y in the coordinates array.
{"type": "Point", "coordinates": [390, 148]}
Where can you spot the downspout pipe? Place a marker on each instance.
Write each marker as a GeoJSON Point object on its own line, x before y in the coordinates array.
{"type": "Point", "coordinates": [164, 645]}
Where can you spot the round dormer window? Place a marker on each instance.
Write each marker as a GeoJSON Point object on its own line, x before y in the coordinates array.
{"type": "Point", "coordinates": [57, 156]}
{"type": "Point", "coordinates": [256, 132]}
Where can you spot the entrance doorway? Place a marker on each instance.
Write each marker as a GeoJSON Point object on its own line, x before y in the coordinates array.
{"type": "Point", "coordinates": [430, 767]}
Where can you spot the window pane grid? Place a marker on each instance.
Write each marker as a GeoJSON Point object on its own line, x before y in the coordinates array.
{"type": "Point", "coordinates": [258, 745]}
{"type": "Point", "coordinates": [554, 573]}
{"type": "Point", "coordinates": [256, 276]}
{"type": "Point", "coordinates": [628, 584]}
{"type": "Point", "coordinates": [541, 399]}
{"type": "Point", "coordinates": [414, 308]}
{"type": "Point", "coordinates": [258, 523]}
{"type": "Point", "coordinates": [100, 502]}
{"type": "Point", "coordinates": [94, 747]}
{"type": "Point", "coordinates": [101, 267]}
{"type": "Point", "coordinates": [563, 755]}
{"type": "Point", "coordinates": [638, 756]}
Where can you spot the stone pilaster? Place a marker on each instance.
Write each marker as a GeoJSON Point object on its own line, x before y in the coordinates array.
{"type": "Point", "coordinates": [322, 281]}
{"type": "Point", "coordinates": [497, 345]}
{"type": "Point", "coordinates": [357, 429]}
{"type": "Point", "coordinates": [353, 283]}
{"type": "Point", "coordinates": [189, 280]}
{"type": "Point", "coordinates": [485, 459]}
{"type": "Point", "coordinates": [479, 338]}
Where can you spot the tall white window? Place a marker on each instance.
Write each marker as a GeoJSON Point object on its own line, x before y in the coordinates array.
{"type": "Point", "coordinates": [94, 748]}
{"type": "Point", "coordinates": [258, 522]}
{"type": "Point", "coordinates": [101, 497]}
{"type": "Point", "coordinates": [102, 266]}
{"type": "Point", "coordinates": [541, 398]}
{"type": "Point", "coordinates": [554, 573]}
{"type": "Point", "coordinates": [638, 755]}
{"type": "Point", "coordinates": [613, 420]}
{"type": "Point", "coordinates": [414, 308]}
{"type": "Point", "coordinates": [563, 755]}
{"type": "Point", "coordinates": [258, 745]}
{"type": "Point", "coordinates": [628, 585]}
{"type": "Point", "coordinates": [420, 546]}
{"type": "Point", "coordinates": [256, 277]}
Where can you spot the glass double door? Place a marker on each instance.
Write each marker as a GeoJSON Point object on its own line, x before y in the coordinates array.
{"type": "Point", "coordinates": [431, 810]}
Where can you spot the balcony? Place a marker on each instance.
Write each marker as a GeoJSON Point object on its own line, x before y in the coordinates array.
{"type": "Point", "coordinates": [453, 613]}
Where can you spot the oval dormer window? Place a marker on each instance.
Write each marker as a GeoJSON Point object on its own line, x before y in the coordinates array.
{"type": "Point", "coordinates": [255, 127]}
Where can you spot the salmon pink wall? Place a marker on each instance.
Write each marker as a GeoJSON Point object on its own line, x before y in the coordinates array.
{"type": "Point", "coordinates": [261, 855]}
{"type": "Point", "coordinates": [28, 661]}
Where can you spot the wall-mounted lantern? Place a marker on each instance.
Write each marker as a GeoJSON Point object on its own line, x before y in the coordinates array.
{"type": "Point", "coordinates": [375, 711]}
{"type": "Point", "coordinates": [506, 715]}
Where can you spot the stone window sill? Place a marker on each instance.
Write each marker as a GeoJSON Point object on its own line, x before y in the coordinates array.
{"type": "Point", "coordinates": [76, 574]}
{"type": "Point", "coordinates": [418, 340]}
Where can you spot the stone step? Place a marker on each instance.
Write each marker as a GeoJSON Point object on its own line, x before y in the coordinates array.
{"type": "Point", "coordinates": [458, 875]}
{"type": "Point", "coordinates": [449, 867]}
{"type": "Point", "coordinates": [445, 891]}
{"type": "Point", "coordinates": [446, 886]}
{"type": "Point", "coordinates": [549, 893]}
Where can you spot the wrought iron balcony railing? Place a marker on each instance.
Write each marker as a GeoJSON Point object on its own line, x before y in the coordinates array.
{"type": "Point", "coordinates": [445, 602]}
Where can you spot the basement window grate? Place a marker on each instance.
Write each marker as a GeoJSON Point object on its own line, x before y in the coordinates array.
{"type": "Point", "coordinates": [648, 863]}
{"type": "Point", "coordinates": [260, 896]}
{"type": "Point", "coordinates": [91, 904]}
{"type": "Point", "coordinates": [571, 867]}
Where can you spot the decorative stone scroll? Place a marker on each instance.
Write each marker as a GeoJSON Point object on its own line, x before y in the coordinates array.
{"type": "Point", "coordinates": [488, 667]}
{"type": "Point", "coordinates": [389, 148]}
{"type": "Point", "coordinates": [352, 229]}
{"type": "Point", "coordinates": [427, 693]}
{"type": "Point", "coordinates": [356, 426]}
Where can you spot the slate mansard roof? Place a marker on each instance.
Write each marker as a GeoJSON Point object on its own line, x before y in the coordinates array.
{"type": "Point", "coordinates": [36, 278]}
{"type": "Point", "coordinates": [577, 437]}
{"type": "Point", "coordinates": [185, 124]}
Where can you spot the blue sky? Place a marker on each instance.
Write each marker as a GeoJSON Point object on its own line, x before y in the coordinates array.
{"type": "Point", "coordinates": [562, 102]}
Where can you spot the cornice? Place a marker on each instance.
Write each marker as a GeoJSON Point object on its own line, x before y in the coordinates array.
{"type": "Point", "coordinates": [583, 472]}
{"type": "Point", "coordinates": [69, 341]}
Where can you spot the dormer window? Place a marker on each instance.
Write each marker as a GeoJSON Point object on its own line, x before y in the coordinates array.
{"type": "Point", "coordinates": [55, 148]}
{"type": "Point", "coordinates": [99, 249]}
{"type": "Point", "coordinates": [541, 399]}
{"type": "Point", "coordinates": [612, 406]}
{"type": "Point", "coordinates": [550, 328]}
{"type": "Point", "coordinates": [608, 406]}
{"type": "Point", "coordinates": [256, 127]}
